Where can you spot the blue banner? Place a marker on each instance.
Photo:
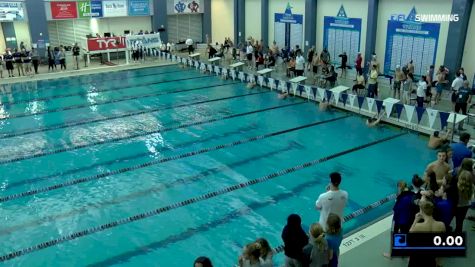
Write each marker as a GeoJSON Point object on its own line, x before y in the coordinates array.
{"type": "Point", "coordinates": [139, 8]}
{"type": "Point", "coordinates": [408, 40]}
{"type": "Point", "coordinates": [399, 108]}
{"type": "Point", "coordinates": [420, 111]}
{"type": "Point", "coordinates": [340, 35]}
{"type": "Point", "coordinates": [96, 9]}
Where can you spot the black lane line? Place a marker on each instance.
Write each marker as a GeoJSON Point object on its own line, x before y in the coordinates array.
{"type": "Point", "coordinates": [127, 98]}
{"type": "Point", "coordinates": [158, 161]}
{"type": "Point", "coordinates": [87, 121]}
{"type": "Point", "coordinates": [181, 145]}
{"type": "Point", "coordinates": [123, 87]}
{"type": "Point", "coordinates": [184, 203]}
{"type": "Point", "coordinates": [138, 194]}
{"type": "Point", "coordinates": [79, 83]}
{"type": "Point", "coordinates": [112, 140]}
{"type": "Point", "coordinates": [190, 232]}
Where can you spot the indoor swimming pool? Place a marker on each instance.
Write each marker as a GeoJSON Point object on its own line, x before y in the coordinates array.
{"type": "Point", "coordinates": [160, 165]}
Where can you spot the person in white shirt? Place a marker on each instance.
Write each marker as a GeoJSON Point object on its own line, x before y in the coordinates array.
{"type": "Point", "coordinates": [421, 91]}
{"type": "Point", "coordinates": [189, 43]}
{"type": "Point", "coordinates": [332, 201]}
{"type": "Point", "coordinates": [249, 52]}
{"type": "Point", "coordinates": [299, 64]}
{"type": "Point", "coordinates": [456, 85]}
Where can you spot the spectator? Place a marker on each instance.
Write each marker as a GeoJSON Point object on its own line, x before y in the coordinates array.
{"type": "Point", "coordinates": [460, 150]}
{"type": "Point", "coordinates": [76, 53]}
{"type": "Point", "coordinates": [8, 57]}
{"type": "Point", "coordinates": [343, 66]}
{"type": "Point", "coordinates": [274, 48]}
{"type": "Point", "coordinates": [359, 84]}
{"type": "Point", "coordinates": [407, 88]}
{"type": "Point", "coordinates": [440, 167]}
{"type": "Point", "coordinates": [435, 140]}
{"type": "Point", "coordinates": [26, 59]}
{"type": "Point", "coordinates": [372, 81]}
{"type": "Point", "coordinates": [441, 82]}
{"type": "Point", "coordinates": [410, 67]}
{"type": "Point", "coordinates": [310, 54]}
{"type": "Point", "coordinates": [251, 256]}
{"type": "Point", "coordinates": [402, 209]}
{"type": "Point", "coordinates": [299, 64]}
{"type": "Point", "coordinates": [331, 77]}
{"type": "Point", "coordinates": [266, 253]}
{"type": "Point", "coordinates": [464, 96]}
{"type": "Point", "coordinates": [62, 58]}
{"type": "Point", "coordinates": [211, 51]}
{"type": "Point", "coordinates": [334, 238]}
{"type": "Point", "coordinates": [465, 192]}
{"type": "Point", "coordinates": [269, 60]}
{"type": "Point", "coordinates": [421, 91]}
{"type": "Point", "coordinates": [424, 222]}
{"type": "Point", "coordinates": [399, 78]}
{"type": "Point", "coordinates": [325, 56]}
{"type": "Point", "coordinates": [461, 72]}
{"type": "Point", "coordinates": [259, 60]}
{"type": "Point", "coordinates": [1, 66]}
{"type": "Point", "coordinates": [202, 262]}
{"type": "Point", "coordinates": [295, 239]}
{"type": "Point", "coordinates": [332, 201]}
{"type": "Point", "coordinates": [457, 83]}
{"type": "Point", "coordinates": [358, 62]}
{"type": "Point", "coordinates": [316, 253]}
{"type": "Point", "coordinates": [249, 52]}
{"type": "Point", "coordinates": [18, 62]}
{"type": "Point", "coordinates": [291, 67]}
{"type": "Point", "coordinates": [189, 43]}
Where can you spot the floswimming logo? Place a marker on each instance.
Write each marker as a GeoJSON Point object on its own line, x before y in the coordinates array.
{"type": "Point", "coordinates": [437, 17]}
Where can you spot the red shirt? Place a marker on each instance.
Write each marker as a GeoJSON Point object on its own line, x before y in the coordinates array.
{"type": "Point", "coordinates": [359, 60]}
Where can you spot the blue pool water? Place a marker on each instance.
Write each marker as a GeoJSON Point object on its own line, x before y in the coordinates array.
{"type": "Point", "coordinates": [81, 152]}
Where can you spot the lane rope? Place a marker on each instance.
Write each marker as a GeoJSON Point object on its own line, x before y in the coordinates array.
{"type": "Point", "coordinates": [158, 161]}
{"type": "Point", "coordinates": [112, 140]}
{"type": "Point", "coordinates": [123, 87]}
{"type": "Point", "coordinates": [184, 203]}
{"type": "Point", "coordinates": [354, 214]}
{"type": "Point", "coordinates": [181, 145]}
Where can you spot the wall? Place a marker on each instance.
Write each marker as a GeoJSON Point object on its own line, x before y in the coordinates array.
{"type": "Point", "coordinates": [388, 7]}
{"type": "Point", "coordinates": [118, 25]}
{"type": "Point", "coordinates": [278, 6]}
{"type": "Point", "coordinates": [353, 8]}
{"type": "Point", "coordinates": [468, 60]}
{"type": "Point", "coordinates": [2, 41]}
{"type": "Point", "coordinates": [22, 32]}
{"type": "Point", "coordinates": [253, 19]}
{"type": "Point", "coordinates": [222, 20]}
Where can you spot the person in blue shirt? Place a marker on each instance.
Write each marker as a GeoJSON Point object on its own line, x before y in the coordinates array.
{"type": "Point", "coordinates": [463, 98]}
{"type": "Point", "coordinates": [334, 237]}
{"type": "Point", "coordinates": [460, 150]}
{"type": "Point", "coordinates": [402, 209]}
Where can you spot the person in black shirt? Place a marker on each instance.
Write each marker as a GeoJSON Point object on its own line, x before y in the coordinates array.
{"type": "Point", "coordinates": [76, 52]}
{"type": "Point", "coordinates": [212, 51]}
{"type": "Point", "coordinates": [18, 62]}
{"type": "Point", "coordinates": [344, 60]}
{"type": "Point", "coordinates": [36, 59]}
{"type": "Point", "coordinates": [295, 239]}
{"type": "Point", "coordinates": [50, 55]}
{"type": "Point", "coordinates": [8, 58]}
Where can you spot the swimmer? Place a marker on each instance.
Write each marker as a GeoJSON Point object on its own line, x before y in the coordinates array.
{"type": "Point", "coordinates": [374, 121]}
{"type": "Point", "coordinates": [324, 105]}
{"type": "Point", "coordinates": [435, 140]}
{"type": "Point", "coordinates": [283, 95]}
{"type": "Point", "coordinates": [251, 85]}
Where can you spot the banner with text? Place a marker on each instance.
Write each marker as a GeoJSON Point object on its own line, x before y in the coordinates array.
{"type": "Point", "coordinates": [89, 9]}
{"type": "Point", "coordinates": [187, 6]}
{"type": "Point", "coordinates": [11, 11]}
{"type": "Point", "coordinates": [114, 8]}
{"type": "Point", "coordinates": [139, 8]}
{"type": "Point", "coordinates": [145, 40]}
{"type": "Point", "coordinates": [64, 10]}
{"type": "Point", "coordinates": [288, 28]}
{"type": "Point", "coordinates": [106, 43]}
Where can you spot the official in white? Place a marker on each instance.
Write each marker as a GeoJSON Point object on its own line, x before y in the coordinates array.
{"type": "Point", "coordinates": [189, 43]}
{"type": "Point", "coordinates": [332, 201]}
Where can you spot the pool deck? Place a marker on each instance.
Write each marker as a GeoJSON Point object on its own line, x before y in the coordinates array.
{"type": "Point", "coordinates": [369, 252]}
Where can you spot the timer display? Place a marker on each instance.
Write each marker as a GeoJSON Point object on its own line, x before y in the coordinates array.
{"type": "Point", "coordinates": [440, 244]}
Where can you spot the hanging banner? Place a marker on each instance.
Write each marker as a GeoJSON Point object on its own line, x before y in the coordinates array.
{"type": "Point", "coordinates": [341, 34]}
{"type": "Point", "coordinates": [444, 116]}
{"type": "Point", "coordinates": [432, 113]}
{"type": "Point", "coordinates": [344, 97]}
{"type": "Point", "coordinates": [89, 9]}
{"type": "Point", "coordinates": [106, 43]}
{"type": "Point", "coordinates": [410, 40]}
{"type": "Point", "coordinates": [409, 112]}
{"type": "Point", "coordinates": [145, 40]}
{"type": "Point", "coordinates": [187, 6]}
{"type": "Point", "coordinates": [288, 28]}
{"type": "Point", "coordinates": [352, 100]}
{"type": "Point", "coordinates": [336, 97]}
{"type": "Point", "coordinates": [388, 107]}
{"type": "Point", "coordinates": [114, 8]}
{"type": "Point", "coordinates": [399, 108]}
{"type": "Point", "coordinates": [370, 102]}
{"type": "Point", "coordinates": [321, 93]}
{"type": "Point", "coordinates": [64, 10]}
{"type": "Point", "coordinates": [12, 11]}
{"type": "Point", "coordinates": [379, 105]}
{"type": "Point", "coordinates": [139, 8]}
{"type": "Point", "coordinates": [420, 111]}
{"type": "Point", "coordinates": [360, 101]}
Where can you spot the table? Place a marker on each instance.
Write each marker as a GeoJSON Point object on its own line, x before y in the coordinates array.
{"type": "Point", "coordinates": [298, 79]}
{"type": "Point", "coordinates": [237, 66]}
{"type": "Point", "coordinates": [213, 60]}
{"type": "Point", "coordinates": [265, 72]}
{"type": "Point", "coordinates": [195, 56]}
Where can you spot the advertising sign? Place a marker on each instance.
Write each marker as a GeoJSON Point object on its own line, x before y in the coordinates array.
{"type": "Point", "coordinates": [64, 10]}
{"type": "Point", "coordinates": [89, 9]}
{"type": "Point", "coordinates": [139, 8]}
{"type": "Point", "coordinates": [114, 8]}
{"type": "Point", "coordinates": [11, 11]}
{"type": "Point", "coordinates": [145, 40]}
{"type": "Point", "coordinates": [106, 43]}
